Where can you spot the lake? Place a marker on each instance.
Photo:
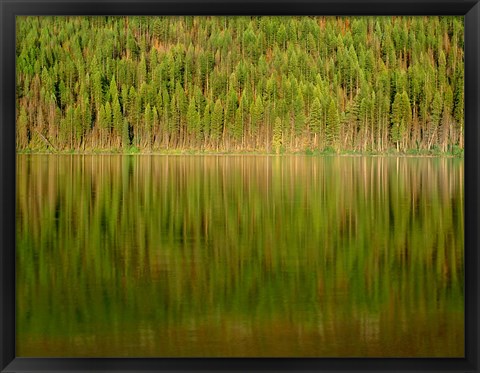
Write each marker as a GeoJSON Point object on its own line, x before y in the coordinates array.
{"type": "Point", "coordinates": [174, 256]}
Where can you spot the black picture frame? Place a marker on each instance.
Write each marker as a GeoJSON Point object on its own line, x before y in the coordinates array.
{"type": "Point", "coordinates": [10, 9]}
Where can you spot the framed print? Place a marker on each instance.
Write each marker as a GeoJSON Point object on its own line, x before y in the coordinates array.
{"type": "Point", "coordinates": [252, 186]}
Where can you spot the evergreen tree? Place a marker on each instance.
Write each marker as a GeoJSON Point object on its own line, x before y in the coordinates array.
{"type": "Point", "coordinates": [277, 135]}
{"type": "Point", "coordinates": [193, 120]}
{"type": "Point", "coordinates": [333, 125]}
{"type": "Point", "coordinates": [316, 118]}
{"type": "Point", "coordinates": [216, 122]}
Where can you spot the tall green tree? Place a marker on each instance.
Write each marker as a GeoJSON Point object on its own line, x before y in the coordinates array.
{"type": "Point", "coordinates": [333, 126]}
{"type": "Point", "coordinates": [216, 123]}
{"type": "Point", "coordinates": [316, 120]}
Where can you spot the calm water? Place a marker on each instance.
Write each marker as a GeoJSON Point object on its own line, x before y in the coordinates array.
{"type": "Point", "coordinates": [239, 256]}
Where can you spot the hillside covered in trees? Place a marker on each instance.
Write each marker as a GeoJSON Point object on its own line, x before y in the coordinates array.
{"type": "Point", "coordinates": [240, 84]}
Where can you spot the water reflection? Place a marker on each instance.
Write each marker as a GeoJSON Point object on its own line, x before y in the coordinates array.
{"type": "Point", "coordinates": [239, 256]}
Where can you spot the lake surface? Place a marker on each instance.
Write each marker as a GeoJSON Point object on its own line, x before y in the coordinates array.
{"type": "Point", "coordinates": [239, 256]}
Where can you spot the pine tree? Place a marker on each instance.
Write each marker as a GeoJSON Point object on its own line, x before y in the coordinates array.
{"type": "Point", "coordinates": [333, 123]}
{"type": "Point", "coordinates": [22, 129]}
{"type": "Point", "coordinates": [459, 102]}
{"type": "Point", "coordinates": [193, 120]}
{"type": "Point", "coordinates": [216, 124]}
{"type": "Point", "coordinates": [238, 126]}
{"type": "Point", "coordinates": [206, 122]}
{"type": "Point", "coordinates": [397, 121]}
{"type": "Point", "coordinates": [125, 133]}
{"type": "Point", "coordinates": [117, 119]}
{"type": "Point", "coordinates": [277, 135]}
{"type": "Point", "coordinates": [299, 110]}
{"type": "Point", "coordinates": [316, 118]}
{"type": "Point", "coordinates": [148, 124]}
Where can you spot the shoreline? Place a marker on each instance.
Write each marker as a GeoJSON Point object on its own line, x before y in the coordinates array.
{"type": "Point", "coordinates": [247, 153]}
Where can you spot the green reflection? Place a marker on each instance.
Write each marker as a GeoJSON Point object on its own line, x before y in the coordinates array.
{"type": "Point", "coordinates": [239, 256]}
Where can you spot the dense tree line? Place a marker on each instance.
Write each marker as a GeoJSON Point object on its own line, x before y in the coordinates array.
{"type": "Point", "coordinates": [240, 83]}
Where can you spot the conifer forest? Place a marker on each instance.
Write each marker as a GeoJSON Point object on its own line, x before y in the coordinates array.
{"type": "Point", "coordinates": [240, 84]}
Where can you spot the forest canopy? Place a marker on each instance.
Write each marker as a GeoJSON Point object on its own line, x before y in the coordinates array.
{"type": "Point", "coordinates": [215, 83]}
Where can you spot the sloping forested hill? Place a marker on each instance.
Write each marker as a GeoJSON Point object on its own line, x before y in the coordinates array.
{"type": "Point", "coordinates": [240, 83]}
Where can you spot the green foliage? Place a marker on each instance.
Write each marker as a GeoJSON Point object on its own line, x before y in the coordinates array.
{"type": "Point", "coordinates": [216, 123]}
{"type": "Point", "coordinates": [333, 125]}
{"type": "Point", "coordinates": [268, 67]}
{"type": "Point", "coordinates": [125, 133]}
{"type": "Point", "coordinates": [316, 117]}
{"type": "Point", "coordinates": [22, 129]}
{"type": "Point", "coordinates": [459, 100]}
{"type": "Point", "coordinates": [277, 135]}
{"type": "Point", "coordinates": [401, 118]}
{"type": "Point", "coordinates": [193, 120]}
{"type": "Point", "coordinates": [437, 108]}
{"type": "Point", "coordinates": [238, 125]}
